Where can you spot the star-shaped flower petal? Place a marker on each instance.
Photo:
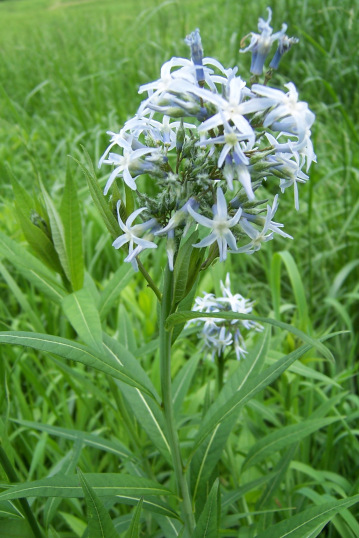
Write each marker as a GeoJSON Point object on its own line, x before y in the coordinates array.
{"type": "Point", "coordinates": [220, 226]}
{"type": "Point", "coordinates": [131, 233]}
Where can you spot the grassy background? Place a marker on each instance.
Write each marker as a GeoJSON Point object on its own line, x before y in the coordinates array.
{"type": "Point", "coordinates": [69, 71]}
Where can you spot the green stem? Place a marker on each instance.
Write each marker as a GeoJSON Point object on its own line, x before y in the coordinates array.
{"type": "Point", "coordinates": [220, 372]}
{"type": "Point", "coordinates": [165, 368]}
{"type": "Point", "coordinates": [150, 282]}
{"type": "Point", "coordinates": [12, 476]}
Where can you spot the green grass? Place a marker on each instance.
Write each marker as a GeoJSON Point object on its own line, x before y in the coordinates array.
{"type": "Point", "coordinates": [69, 71]}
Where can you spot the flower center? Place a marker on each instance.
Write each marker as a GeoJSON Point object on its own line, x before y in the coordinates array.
{"type": "Point", "coordinates": [231, 139]}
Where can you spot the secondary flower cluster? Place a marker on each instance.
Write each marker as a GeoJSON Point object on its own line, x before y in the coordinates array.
{"type": "Point", "coordinates": [203, 142]}
{"type": "Point", "coordinates": [219, 334]}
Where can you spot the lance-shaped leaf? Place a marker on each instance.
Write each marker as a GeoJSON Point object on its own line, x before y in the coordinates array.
{"type": "Point", "coordinates": [149, 415]}
{"type": "Point", "coordinates": [113, 288]}
{"type": "Point", "coordinates": [127, 489]}
{"type": "Point", "coordinates": [99, 522]}
{"type": "Point", "coordinates": [309, 522]}
{"type": "Point", "coordinates": [210, 451]}
{"type": "Point", "coordinates": [182, 382]}
{"type": "Point", "coordinates": [244, 394]}
{"type": "Point", "coordinates": [108, 363]}
{"type": "Point", "coordinates": [134, 529]}
{"type": "Point", "coordinates": [66, 466]}
{"type": "Point", "coordinates": [104, 484]}
{"type": "Point", "coordinates": [279, 473]}
{"type": "Point", "coordinates": [22, 299]}
{"type": "Point", "coordinates": [208, 523]}
{"type": "Point", "coordinates": [88, 439]}
{"type": "Point", "coordinates": [130, 364]}
{"type": "Point", "coordinates": [9, 510]}
{"type": "Point", "coordinates": [284, 437]}
{"type": "Point", "coordinates": [57, 232]}
{"type": "Point", "coordinates": [182, 317]}
{"type": "Point", "coordinates": [31, 268]}
{"type": "Point", "coordinates": [82, 313]}
{"type": "Point", "coordinates": [181, 268]}
{"type": "Point", "coordinates": [98, 197]}
{"type": "Point", "coordinates": [34, 226]}
{"type": "Point", "coordinates": [71, 220]}
{"type": "Point", "coordinates": [296, 282]}
{"type": "Point", "coordinates": [206, 458]}
{"type": "Point", "coordinates": [233, 496]}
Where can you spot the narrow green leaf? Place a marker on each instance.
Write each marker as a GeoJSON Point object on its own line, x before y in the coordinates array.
{"type": "Point", "coordinates": [182, 317]}
{"type": "Point", "coordinates": [244, 394]}
{"type": "Point", "coordinates": [104, 485]}
{"type": "Point", "coordinates": [88, 439]}
{"type": "Point", "coordinates": [279, 473]}
{"type": "Point", "coordinates": [341, 521]}
{"type": "Point", "coordinates": [83, 315]}
{"type": "Point", "coordinates": [233, 496]}
{"type": "Point", "coordinates": [296, 282]}
{"type": "Point", "coordinates": [130, 364]}
{"type": "Point", "coordinates": [15, 528]}
{"type": "Point", "coordinates": [98, 197]}
{"type": "Point", "coordinates": [9, 510]}
{"type": "Point", "coordinates": [31, 268]}
{"type": "Point", "coordinates": [181, 267]}
{"type": "Point", "coordinates": [310, 521]}
{"type": "Point", "coordinates": [341, 277]}
{"type": "Point", "coordinates": [57, 232]}
{"type": "Point", "coordinates": [34, 226]}
{"type": "Point", "coordinates": [99, 522]}
{"type": "Point", "coordinates": [208, 523]}
{"type": "Point", "coordinates": [66, 466]}
{"type": "Point", "coordinates": [71, 219]}
{"type": "Point", "coordinates": [149, 415]}
{"type": "Point", "coordinates": [206, 458]}
{"type": "Point", "coordinates": [126, 334]}
{"type": "Point", "coordinates": [284, 437]}
{"type": "Point", "coordinates": [39, 242]}
{"type": "Point", "coordinates": [108, 363]}
{"type": "Point", "coordinates": [130, 200]}
{"type": "Point", "coordinates": [113, 288]}
{"type": "Point", "coordinates": [209, 452]}
{"type": "Point", "coordinates": [76, 524]}
{"type": "Point", "coordinates": [23, 200]}
{"type": "Point", "coordinates": [182, 382]}
{"type": "Point", "coordinates": [21, 298]}
{"type": "Point", "coordinates": [134, 530]}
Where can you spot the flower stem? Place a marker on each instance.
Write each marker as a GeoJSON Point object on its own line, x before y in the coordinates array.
{"type": "Point", "coordinates": [12, 476]}
{"type": "Point", "coordinates": [150, 282]}
{"type": "Point", "coordinates": [165, 367]}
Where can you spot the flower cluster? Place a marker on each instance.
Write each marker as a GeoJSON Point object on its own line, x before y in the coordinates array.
{"type": "Point", "coordinates": [219, 334]}
{"type": "Point", "coordinates": [201, 145]}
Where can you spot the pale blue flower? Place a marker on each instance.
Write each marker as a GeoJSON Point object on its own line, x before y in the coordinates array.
{"type": "Point", "coordinates": [287, 114]}
{"type": "Point", "coordinates": [132, 235]}
{"type": "Point", "coordinates": [257, 238]}
{"type": "Point", "coordinates": [194, 41]}
{"type": "Point", "coordinates": [129, 164]}
{"type": "Point", "coordinates": [284, 45]}
{"type": "Point", "coordinates": [260, 44]}
{"type": "Point", "coordinates": [220, 226]}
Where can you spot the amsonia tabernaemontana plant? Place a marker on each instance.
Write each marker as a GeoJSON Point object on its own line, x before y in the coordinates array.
{"type": "Point", "coordinates": [196, 178]}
